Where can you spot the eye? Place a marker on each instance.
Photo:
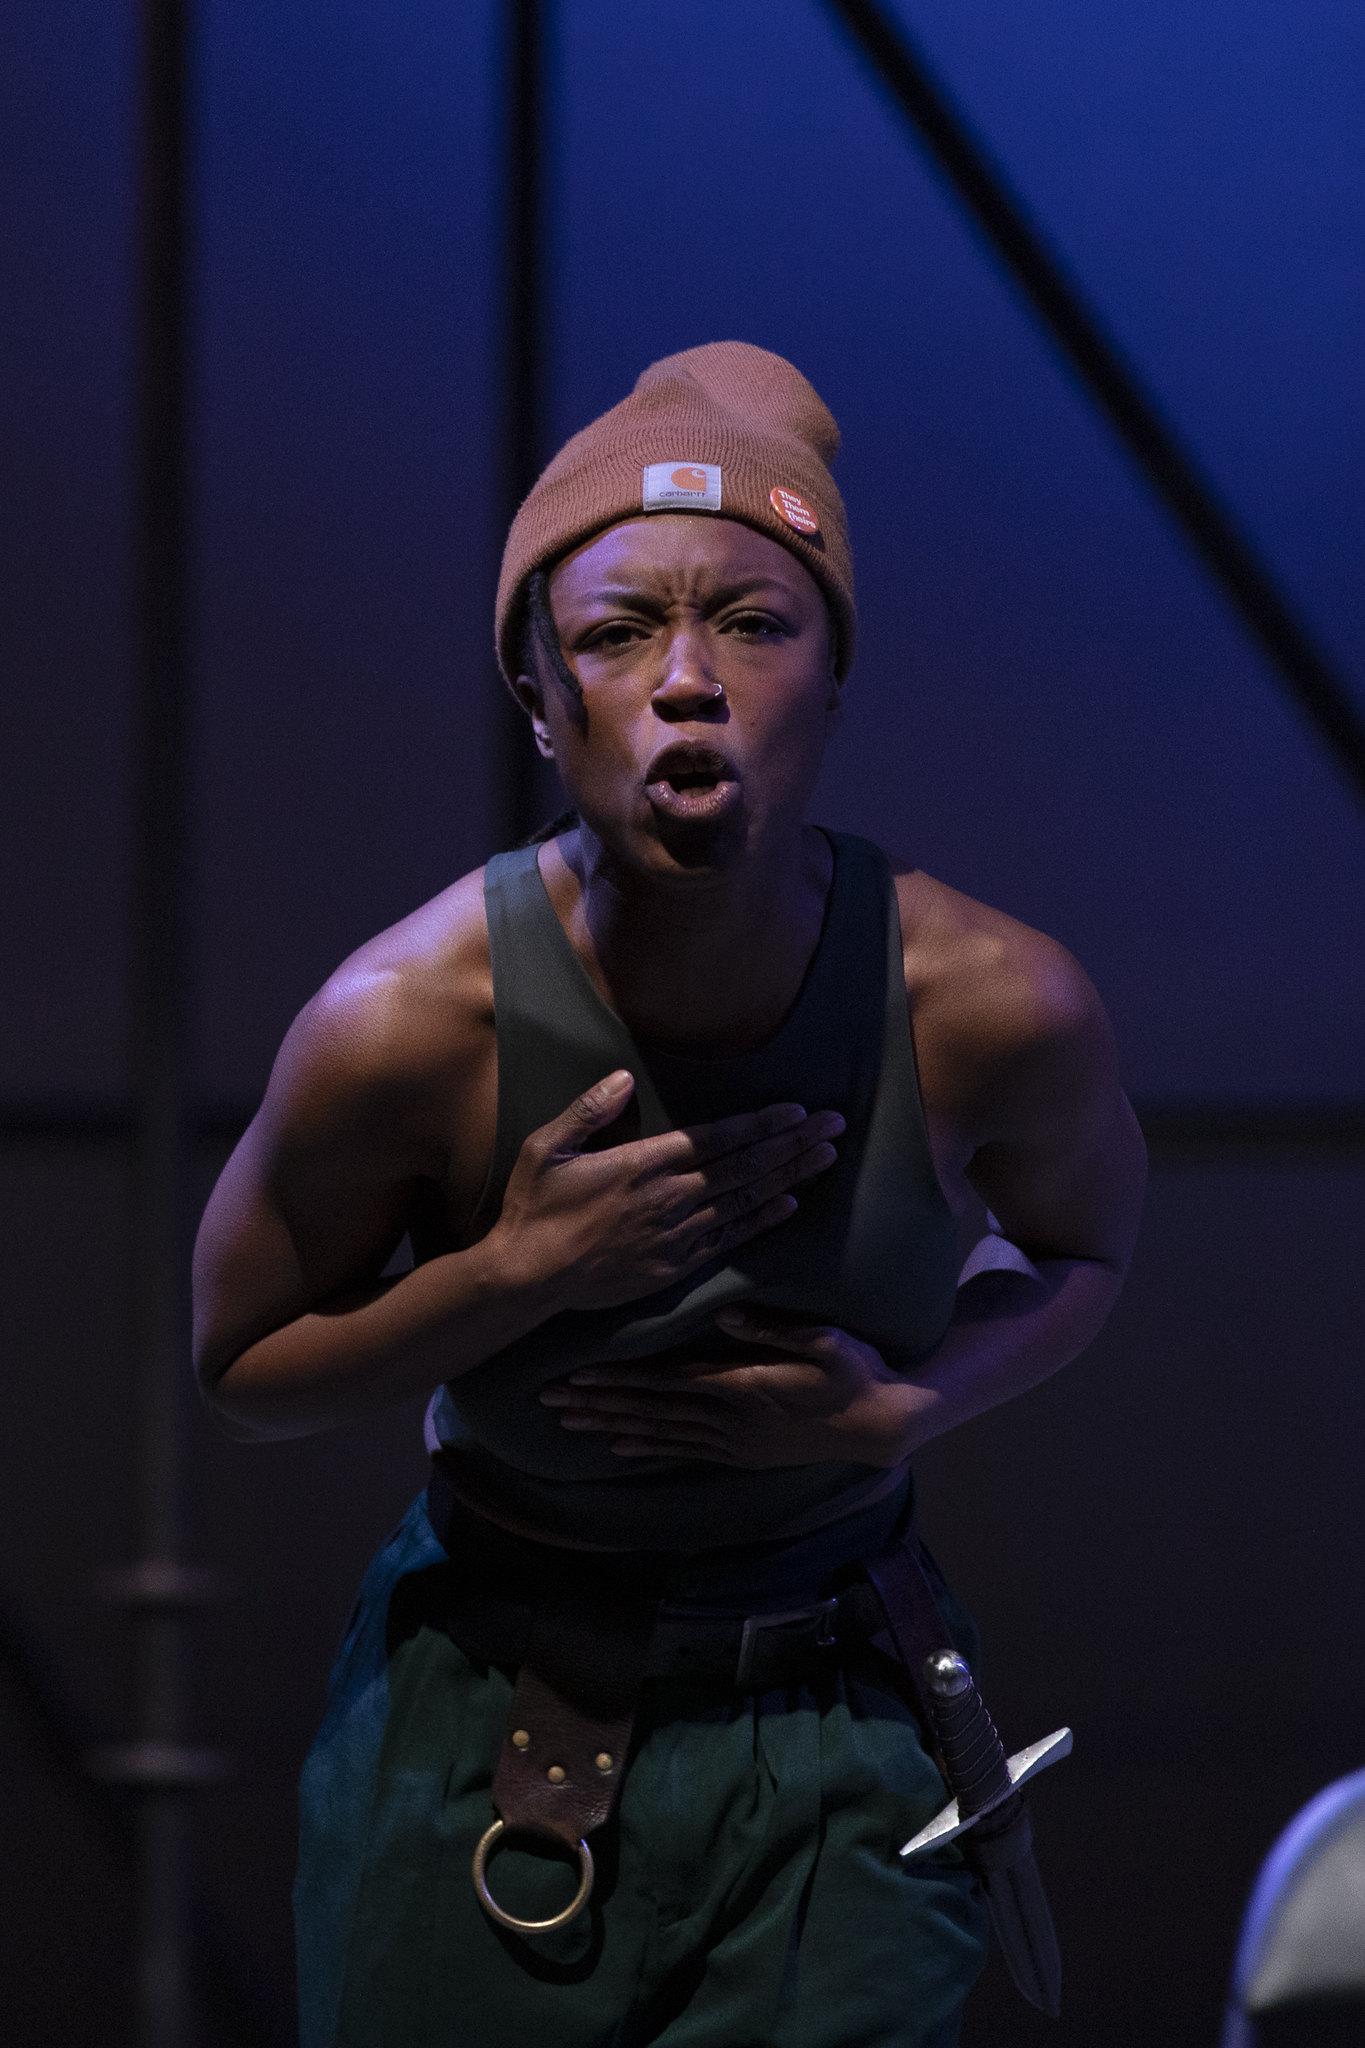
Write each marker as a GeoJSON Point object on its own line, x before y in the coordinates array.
{"type": "Point", "coordinates": [756, 626]}
{"type": "Point", "coordinates": [610, 638]}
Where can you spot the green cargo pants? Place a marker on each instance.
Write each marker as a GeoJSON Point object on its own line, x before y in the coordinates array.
{"type": "Point", "coordinates": [749, 1893]}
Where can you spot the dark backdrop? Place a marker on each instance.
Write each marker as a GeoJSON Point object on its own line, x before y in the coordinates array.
{"type": "Point", "coordinates": [1051, 709]}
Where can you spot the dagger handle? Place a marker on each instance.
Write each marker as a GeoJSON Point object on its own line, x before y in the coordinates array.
{"type": "Point", "coordinates": [973, 1754]}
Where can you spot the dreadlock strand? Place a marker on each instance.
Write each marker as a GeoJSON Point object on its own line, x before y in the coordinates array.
{"type": "Point", "coordinates": [546, 632]}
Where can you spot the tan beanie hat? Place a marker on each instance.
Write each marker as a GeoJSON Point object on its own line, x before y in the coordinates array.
{"type": "Point", "coordinates": [727, 428]}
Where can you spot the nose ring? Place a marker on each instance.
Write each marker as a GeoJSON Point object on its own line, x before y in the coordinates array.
{"type": "Point", "coordinates": [718, 695]}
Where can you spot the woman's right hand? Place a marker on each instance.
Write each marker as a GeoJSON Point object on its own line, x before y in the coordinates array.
{"type": "Point", "coordinates": [604, 1227]}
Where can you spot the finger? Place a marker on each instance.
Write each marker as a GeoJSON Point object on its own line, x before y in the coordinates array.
{"type": "Point", "coordinates": [613, 1405]}
{"type": "Point", "coordinates": [572, 1392]}
{"type": "Point", "coordinates": [699, 1144]}
{"type": "Point", "coordinates": [750, 1163]}
{"type": "Point", "coordinates": [718, 1243]}
{"type": "Point", "coordinates": [680, 1185]}
{"type": "Point", "coordinates": [576, 1394]}
{"type": "Point", "coordinates": [714, 1453]}
{"type": "Point", "coordinates": [637, 1372]}
{"type": "Point", "coordinates": [696, 1145]}
{"type": "Point", "coordinates": [742, 1201]}
{"type": "Point", "coordinates": [778, 1331]}
{"type": "Point", "coordinates": [678, 1154]}
{"type": "Point", "coordinates": [592, 1111]}
{"type": "Point", "coordinates": [676, 1433]}
{"type": "Point", "coordinates": [673, 1436]}
{"type": "Point", "coordinates": [730, 1133]}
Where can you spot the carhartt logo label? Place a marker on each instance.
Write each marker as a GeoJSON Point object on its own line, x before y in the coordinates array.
{"type": "Point", "coordinates": [682, 487]}
{"type": "Point", "coordinates": [794, 510]}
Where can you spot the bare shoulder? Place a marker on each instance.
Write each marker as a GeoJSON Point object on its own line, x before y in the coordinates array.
{"type": "Point", "coordinates": [393, 1032]}
{"type": "Point", "coordinates": [996, 975]}
{"type": "Point", "coordinates": [1005, 1019]}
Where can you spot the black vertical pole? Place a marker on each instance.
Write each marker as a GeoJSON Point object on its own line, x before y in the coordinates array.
{"type": "Point", "coordinates": [159, 1589]}
{"type": "Point", "coordinates": [159, 1024]}
{"type": "Point", "coordinates": [522, 348]}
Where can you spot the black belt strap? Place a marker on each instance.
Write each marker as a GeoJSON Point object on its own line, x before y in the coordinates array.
{"type": "Point", "coordinates": [897, 1576]}
{"type": "Point", "coordinates": [583, 1630]}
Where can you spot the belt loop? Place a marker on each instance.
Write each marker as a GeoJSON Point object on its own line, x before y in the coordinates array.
{"type": "Point", "coordinates": [823, 1615]}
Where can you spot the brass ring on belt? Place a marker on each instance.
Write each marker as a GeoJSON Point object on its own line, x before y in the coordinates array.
{"type": "Point", "coordinates": [490, 1905]}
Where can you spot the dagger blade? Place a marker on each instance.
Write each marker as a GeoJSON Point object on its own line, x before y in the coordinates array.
{"type": "Point", "coordinates": [989, 1802]}
{"type": "Point", "coordinates": [1005, 1863]}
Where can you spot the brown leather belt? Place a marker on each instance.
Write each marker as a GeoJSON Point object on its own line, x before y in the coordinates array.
{"type": "Point", "coordinates": [584, 1630]}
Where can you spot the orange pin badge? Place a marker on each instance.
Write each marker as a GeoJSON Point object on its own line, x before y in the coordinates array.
{"type": "Point", "coordinates": [794, 510]}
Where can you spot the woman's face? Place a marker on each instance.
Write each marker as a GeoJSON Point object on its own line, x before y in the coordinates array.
{"type": "Point", "coordinates": [703, 651]}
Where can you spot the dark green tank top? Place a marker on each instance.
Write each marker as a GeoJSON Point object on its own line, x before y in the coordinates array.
{"type": "Point", "coordinates": [872, 1248]}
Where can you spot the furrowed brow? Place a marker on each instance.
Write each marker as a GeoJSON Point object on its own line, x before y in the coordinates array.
{"type": "Point", "coordinates": [641, 599]}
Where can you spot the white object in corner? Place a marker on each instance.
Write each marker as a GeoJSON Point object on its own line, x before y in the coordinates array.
{"type": "Point", "coordinates": [995, 1254]}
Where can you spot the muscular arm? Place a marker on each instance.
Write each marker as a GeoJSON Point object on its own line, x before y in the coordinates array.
{"type": "Point", "coordinates": [387, 1079]}
{"type": "Point", "coordinates": [294, 1327]}
{"type": "Point", "coordinates": [1022, 1094]}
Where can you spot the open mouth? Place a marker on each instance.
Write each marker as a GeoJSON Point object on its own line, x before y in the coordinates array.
{"type": "Point", "coordinates": [691, 782]}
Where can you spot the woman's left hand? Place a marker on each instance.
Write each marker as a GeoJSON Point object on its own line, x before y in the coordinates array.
{"type": "Point", "coordinates": [822, 1395]}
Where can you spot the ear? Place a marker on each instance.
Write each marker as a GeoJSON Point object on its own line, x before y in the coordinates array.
{"type": "Point", "coordinates": [834, 702]}
{"type": "Point", "coordinates": [531, 698]}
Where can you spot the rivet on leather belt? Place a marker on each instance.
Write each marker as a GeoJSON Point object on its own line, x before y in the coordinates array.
{"type": "Point", "coordinates": [568, 1730]}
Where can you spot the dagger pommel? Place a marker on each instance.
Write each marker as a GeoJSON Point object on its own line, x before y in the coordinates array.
{"type": "Point", "coordinates": [946, 1674]}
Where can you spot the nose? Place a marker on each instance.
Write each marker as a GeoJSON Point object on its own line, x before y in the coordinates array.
{"type": "Point", "coordinates": [686, 688]}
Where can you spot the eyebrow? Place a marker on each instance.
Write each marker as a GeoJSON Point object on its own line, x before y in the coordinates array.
{"type": "Point", "coordinates": [727, 593]}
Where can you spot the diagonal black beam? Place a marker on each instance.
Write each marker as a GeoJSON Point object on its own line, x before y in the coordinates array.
{"type": "Point", "coordinates": [1212, 531]}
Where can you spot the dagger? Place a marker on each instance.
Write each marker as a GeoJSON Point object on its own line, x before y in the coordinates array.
{"type": "Point", "coordinates": [989, 1803]}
